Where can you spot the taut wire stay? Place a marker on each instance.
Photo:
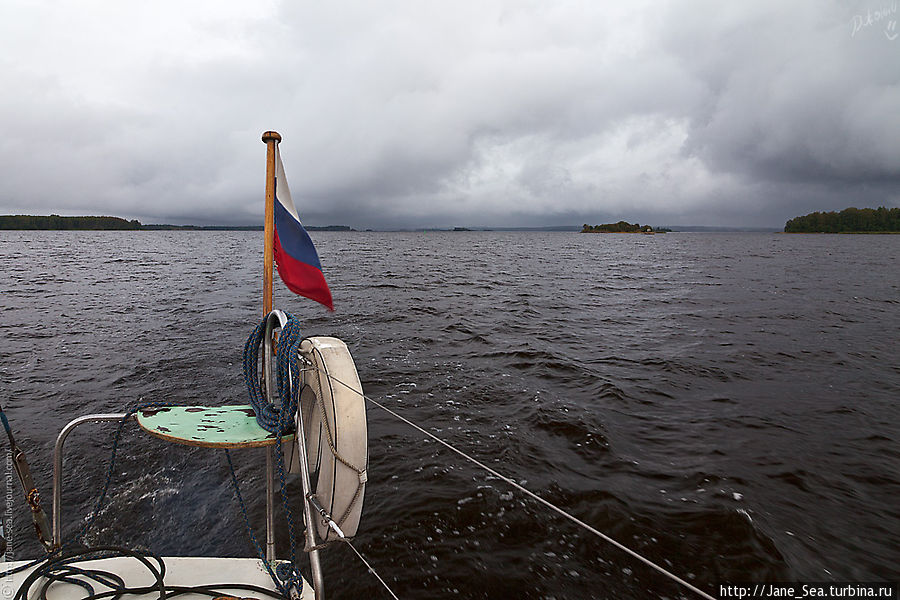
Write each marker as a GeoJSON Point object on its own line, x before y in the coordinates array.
{"type": "Point", "coordinates": [527, 492]}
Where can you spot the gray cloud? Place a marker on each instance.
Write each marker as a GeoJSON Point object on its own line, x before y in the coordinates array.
{"type": "Point", "coordinates": [435, 114]}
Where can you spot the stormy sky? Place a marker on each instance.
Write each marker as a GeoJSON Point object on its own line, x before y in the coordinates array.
{"type": "Point", "coordinates": [453, 113]}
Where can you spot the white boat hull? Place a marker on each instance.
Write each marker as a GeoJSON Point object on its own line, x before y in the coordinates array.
{"type": "Point", "coordinates": [180, 571]}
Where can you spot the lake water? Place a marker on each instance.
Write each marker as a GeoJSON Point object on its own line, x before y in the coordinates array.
{"type": "Point", "coordinates": [725, 404]}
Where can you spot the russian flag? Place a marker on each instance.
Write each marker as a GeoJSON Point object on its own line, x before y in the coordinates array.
{"type": "Point", "coordinates": [295, 256]}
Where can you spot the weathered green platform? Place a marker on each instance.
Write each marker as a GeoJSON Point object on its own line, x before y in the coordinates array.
{"type": "Point", "coordinates": [207, 426]}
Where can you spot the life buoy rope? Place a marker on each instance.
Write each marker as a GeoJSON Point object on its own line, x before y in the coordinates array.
{"type": "Point", "coordinates": [334, 420]}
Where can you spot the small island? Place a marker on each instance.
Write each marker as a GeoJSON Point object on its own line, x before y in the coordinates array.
{"type": "Point", "coordinates": [621, 227]}
{"type": "Point", "coordinates": [849, 220]}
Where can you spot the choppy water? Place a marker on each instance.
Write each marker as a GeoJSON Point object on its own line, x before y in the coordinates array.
{"type": "Point", "coordinates": [726, 404]}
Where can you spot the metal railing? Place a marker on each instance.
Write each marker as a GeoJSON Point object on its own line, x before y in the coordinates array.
{"type": "Point", "coordinates": [58, 465]}
{"type": "Point", "coordinates": [276, 320]}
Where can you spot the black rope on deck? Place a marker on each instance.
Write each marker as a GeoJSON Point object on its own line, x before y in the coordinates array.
{"type": "Point", "coordinates": [63, 569]}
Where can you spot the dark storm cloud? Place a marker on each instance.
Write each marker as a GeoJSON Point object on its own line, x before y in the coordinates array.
{"type": "Point", "coordinates": [785, 103]}
{"type": "Point", "coordinates": [437, 114]}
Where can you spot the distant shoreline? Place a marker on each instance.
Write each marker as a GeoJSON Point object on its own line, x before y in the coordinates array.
{"type": "Point", "coordinates": [106, 223]}
{"type": "Point", "coordinates": [89, 223]}
{"type": "Point", "coordinates": [840, 232]}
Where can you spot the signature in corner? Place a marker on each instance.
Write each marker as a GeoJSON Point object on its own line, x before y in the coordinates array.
{"type": "Point", "coordinates": [887, 12]}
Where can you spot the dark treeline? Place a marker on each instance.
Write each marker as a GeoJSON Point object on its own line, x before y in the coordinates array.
{"type": "Point", "coordinates": [849, 220]}
{"type": "Point", "coordinates": [328, 228]}
{"type": "Point", "coordinates": [58, 222]}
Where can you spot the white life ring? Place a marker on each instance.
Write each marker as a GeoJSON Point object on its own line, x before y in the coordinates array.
{"type": "Point", "coordinates": [335, 432]}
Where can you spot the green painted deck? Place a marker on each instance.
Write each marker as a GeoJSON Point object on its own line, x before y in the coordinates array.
{"type": "Point", "coordinates": [207, 426]}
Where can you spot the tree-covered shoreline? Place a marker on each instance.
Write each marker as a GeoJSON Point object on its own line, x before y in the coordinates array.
{"type": "Point", "coordinates": [849, 220]}
{"type": "Point", "coordinates": [58, 223]}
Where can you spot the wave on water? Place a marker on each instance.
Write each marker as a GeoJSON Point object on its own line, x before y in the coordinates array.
{"type": "Point", "coordinates": [724, 404]}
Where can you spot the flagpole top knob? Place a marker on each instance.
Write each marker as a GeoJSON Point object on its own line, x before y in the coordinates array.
{"type": "Point", "coordinates": [271, 136]}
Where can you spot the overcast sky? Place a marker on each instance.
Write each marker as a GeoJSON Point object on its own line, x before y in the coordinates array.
{"type": "Point", "coordinates": [421, 113]}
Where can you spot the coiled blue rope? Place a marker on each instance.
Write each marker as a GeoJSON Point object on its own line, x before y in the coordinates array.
{"type": "Point", "coordinates": [271, 417]}
{"type": "Point", "coordinates": [278, 419]}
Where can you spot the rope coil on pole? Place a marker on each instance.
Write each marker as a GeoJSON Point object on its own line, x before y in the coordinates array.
{"type": "Point", "coordinates": [278, 418]}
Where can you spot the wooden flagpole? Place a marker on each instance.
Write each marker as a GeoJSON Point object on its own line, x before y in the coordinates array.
{"type": "Point", "coordinates": [270, 138]}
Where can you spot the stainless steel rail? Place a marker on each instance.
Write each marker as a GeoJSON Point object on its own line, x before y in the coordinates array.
{"type": "Point", "coordinates": [277, 319]}
{"type": "Point", "coordinates": [58, 465]}
{"type": "Point", "coordinates": [99, 418]}
{"type": "Point", "coordinates": [315, 565]}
